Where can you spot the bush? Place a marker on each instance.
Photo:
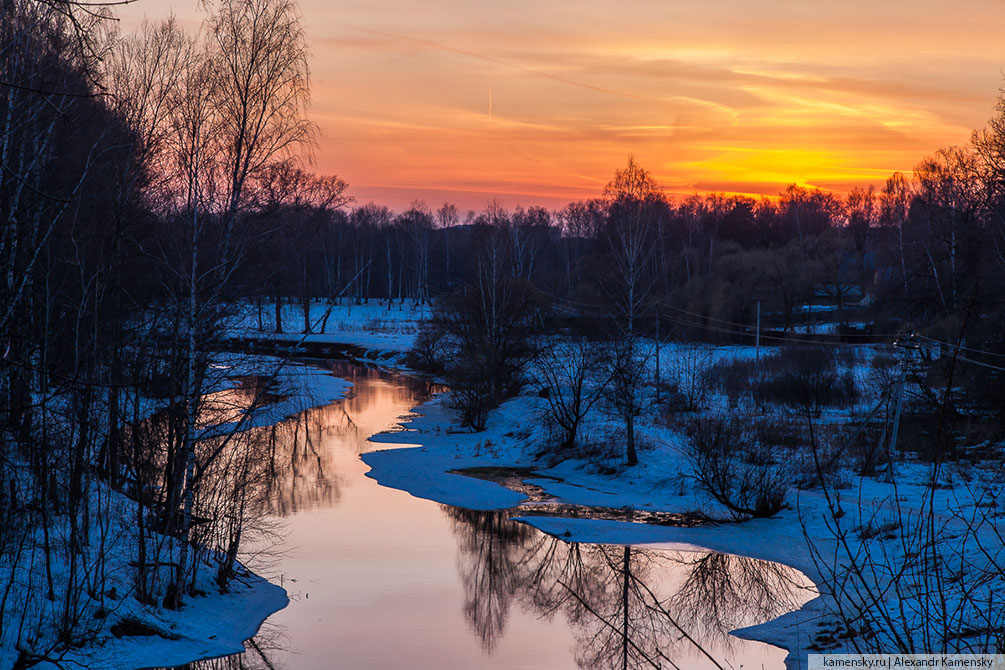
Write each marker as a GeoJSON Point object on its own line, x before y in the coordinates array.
{"type": "Point", "coordinates": [741, 474]}
{"type": "Point", "coordinates": [690, 370]}
{"type": "Point", "coordinates": [430, 349]}
{"type": "Point", "coordinates": [565, 370]}
{"type": "Point", "coordinates": [800, 377]}
{"type": "Point", "coordinates": [481, 339]}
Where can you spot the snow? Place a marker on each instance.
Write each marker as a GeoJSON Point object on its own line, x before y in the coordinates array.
{"type": "Point", "coordinates": [514, 439]}
{"type": "Point", "coordinates": [377, 326]}
{"type": "Point", "coordinates": [654, 485]}
{"type": "Point", "coordinates": [298, 386]}
{"type": "Point", "coordinates": [424, 458]}
{"type": "Point", "coordinates": [210, 624]}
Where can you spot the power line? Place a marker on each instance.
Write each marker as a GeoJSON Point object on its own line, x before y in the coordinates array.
{"type": "Point", "coordinates": [961, 347]}
{"type": "Point", "coordinates": [728, 327]}
{"type": "Point", "coordinates": [979, 363]}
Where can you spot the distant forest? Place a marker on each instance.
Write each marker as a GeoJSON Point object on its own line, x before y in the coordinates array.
{"type": "Point", "coordinates": [912, 252]}
{"type": "Point", "coordinates": [916, 253]}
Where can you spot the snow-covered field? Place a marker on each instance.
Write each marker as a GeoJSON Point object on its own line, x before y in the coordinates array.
{"type": "Point", "coordinates": [375, 326]}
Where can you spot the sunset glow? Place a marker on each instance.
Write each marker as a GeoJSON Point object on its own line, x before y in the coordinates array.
{"type": "Point", "coordinates": [539, 102]}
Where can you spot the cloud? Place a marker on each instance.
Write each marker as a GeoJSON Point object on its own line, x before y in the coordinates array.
{"type": "Point", "coordinates": [731, 95]}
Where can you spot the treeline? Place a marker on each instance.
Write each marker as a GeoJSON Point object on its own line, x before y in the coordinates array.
{"type": "Point", "coordinates": [131, 168]}
{"type": "Point", "coordinates": [923, 253]}
{"type": "Point", "coordinates": [915, 253]}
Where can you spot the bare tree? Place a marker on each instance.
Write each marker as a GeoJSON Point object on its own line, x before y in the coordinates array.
{"type": "Point", "coordinates": [240, 105]}
{"type": "Point", "coordinates": [633, 198]}
{"type": "Point", "coordinates": [690, 370]}
{"type": "Point", "coordinates": [735, 470]}
{"type": "Point", "coordinates": [895, 201]}
{"type": "Point", "coordinates": [447, 216]}
{"type": "Point", "coordinates": [262, 89]}
{"type": "Point", "coordinates": [566, 371]}
{"type": "Point", "coordinates": [417, 223]}
{"type": "Point", "coordinates": [626, 368]}
{"type": "Point", "coordinates": [488, 325]}
{"type": "Point", "coordinates": [948, 189]}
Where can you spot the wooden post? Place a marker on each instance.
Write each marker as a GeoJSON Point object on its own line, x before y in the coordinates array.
{"type": "Point", "coordinates": [657, 352]}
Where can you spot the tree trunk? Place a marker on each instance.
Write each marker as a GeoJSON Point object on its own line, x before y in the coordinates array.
{"type": "Point", "coordinates": [633, 458]}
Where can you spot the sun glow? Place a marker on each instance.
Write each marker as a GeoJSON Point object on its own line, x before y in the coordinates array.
{"type": "Point", "coordinates": [718, 96]}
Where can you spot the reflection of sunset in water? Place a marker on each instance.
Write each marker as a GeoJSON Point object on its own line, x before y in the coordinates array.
{"type": "Point", "coordinates": [227, 406]}
{"type": "Point", "coordinates": [311, 452]}
{"type": "Point", "coordinates": [380, 579]}
{"type": "Point", "coordinates": [627, 606]}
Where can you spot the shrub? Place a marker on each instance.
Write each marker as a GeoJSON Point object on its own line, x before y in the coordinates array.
{"type": "Point", "coordinates": [565, 370]}
{"type": "Point", "coordinates": [429, 350]}
{"type": "Point", "coordinates": [481, 338]}
{"type": "Point", "coordinates": [690, 370]}
{"type": "Point", "coordinates": [741, 474]}
{"type": "Point", "coordinates": [807, 378]}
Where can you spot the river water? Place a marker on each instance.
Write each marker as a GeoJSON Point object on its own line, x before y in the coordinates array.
{"type": "Point", "coordinates": [380, 579]}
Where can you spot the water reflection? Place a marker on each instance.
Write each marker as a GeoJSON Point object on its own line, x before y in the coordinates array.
{"type": "Point", "coordinates": [396, 581]}
{"type": "Point", "coordinates": [301, 474]}
{"type": "Point", "coordinates": [490, 565]}
{"type": "Point", "coordinates": [629, 607]}
{"type": "Point", "coordinates": [722, 592]}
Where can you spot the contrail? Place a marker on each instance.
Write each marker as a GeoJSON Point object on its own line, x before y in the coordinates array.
{"type": "Point", "coordinates": [490, 103]}
{"type": "Point", "coordinates": [432, 44]}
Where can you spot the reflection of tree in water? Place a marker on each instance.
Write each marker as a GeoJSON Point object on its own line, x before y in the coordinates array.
{"type": "Point", "coordinates": [625, 609]}
{"type": "Point", "coordinates": [280, 469]}
{"type": "Point", "coordinates": [626, 628]}
{"type": "Point", "coordinates": [723, 592]}
{"type": "Point", "coordinates": [491, 548]}
{"type": "Point", "coordinates": [374, 386]}
{"type": "Point", "coordinates": [301, 473]}
{"type": "Point", "coordinates": [301, 469]}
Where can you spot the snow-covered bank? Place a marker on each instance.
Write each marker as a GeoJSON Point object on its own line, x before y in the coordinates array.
{"type": "Point", "coordinates": [656, 484]}
{"type": "Point", "coordinates": [382, 331]}
{"type": "Point", "coordinates": [208, 626]}
{"type": "Point", "coordinates": [873, 514]}
{"type": "Point", "coordinates": [115, 628]}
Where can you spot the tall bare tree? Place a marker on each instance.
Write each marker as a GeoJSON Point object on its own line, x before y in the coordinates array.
{"type": "Point", "coordinates": [262, 88]}
{"type": "Point", "coordinates": [633, 199]}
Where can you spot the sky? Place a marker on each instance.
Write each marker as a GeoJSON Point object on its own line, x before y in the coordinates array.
{"type": "Point", "coordinates": [538, 102]}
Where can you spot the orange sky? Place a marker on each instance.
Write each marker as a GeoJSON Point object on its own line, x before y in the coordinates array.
{"type": "Point", "coordinates": [538, 102]}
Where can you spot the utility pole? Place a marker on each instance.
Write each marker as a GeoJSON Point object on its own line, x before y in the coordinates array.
{"type": "Point", "coordinates": [657, 352]}
{"type": "Point", "coordinates": [757, 336]}
{"type": "Point", "coordinates": [906, 347]}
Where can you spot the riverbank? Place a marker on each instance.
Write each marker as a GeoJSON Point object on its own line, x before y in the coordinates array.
{"type": "Point", "coordinates": [869, 520]}
{"type": "Point", "coordinates": [657, 484]}
{"type": "Point", "coordinates": [123, 632]}
{"type": "Point", "coordinates": [861, 516]}
{"type": "Point", "coordinates": [209, 625]}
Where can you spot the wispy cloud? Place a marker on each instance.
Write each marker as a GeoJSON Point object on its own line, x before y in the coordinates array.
{"type": "Point", "coordinates": [534, 101]}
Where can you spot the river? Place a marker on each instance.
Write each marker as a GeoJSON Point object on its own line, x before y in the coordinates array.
{"type": "Point", "coordinates": [380, 579]}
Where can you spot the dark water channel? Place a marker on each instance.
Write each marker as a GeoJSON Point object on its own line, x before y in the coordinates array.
{"type": "Point", "coordinates": [380, 579]}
